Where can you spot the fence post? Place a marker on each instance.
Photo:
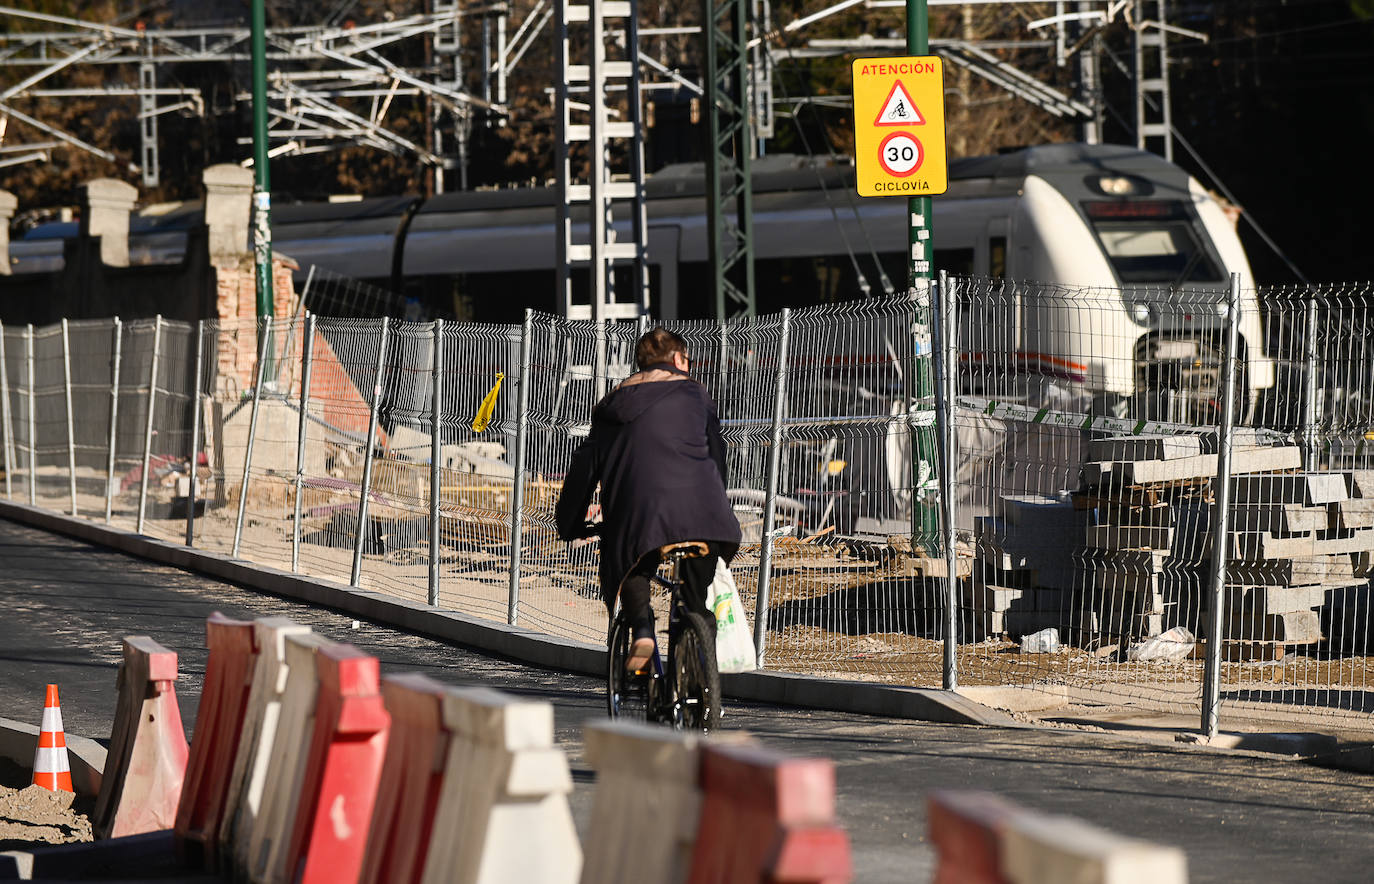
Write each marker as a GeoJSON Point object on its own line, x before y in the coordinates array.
{"type": "Point", "coordinates": [193, 468]}
{"type": "Point", "coordinates": [1221, 515]}
{"type": "Point", "coordinates": [148, 426]}
{"type": "Point", "coordinates": [770, 501]}
{"type": "Point", "coordinates": [724, 358]}
{"type": "Point", "coordinates": [302, 422]}
{"type": "Point", "coordinates": [5, 415]}
{"type": "Point", "coordinates": [436, 451]}
{"type": "Point", "coordinates": [357, 571]}
{"type": "Point", "coordinates": [946, 363]}
{"type": "Point", "coordinates": [71, 428]}
{"type": "Point", "coordinates": [517, 505]}
{"type": "Point", "coordinates": [33, 421]}
{"type": "Point", "coordinates": [264, 341]}
{"type": "Point", "coordinates": [114, 420]}
{"type": "Point", "coordinates": [1309, 393]}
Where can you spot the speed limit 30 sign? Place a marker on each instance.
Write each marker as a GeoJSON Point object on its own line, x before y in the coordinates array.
{"type": "Point", "coordinates": [899, 126]}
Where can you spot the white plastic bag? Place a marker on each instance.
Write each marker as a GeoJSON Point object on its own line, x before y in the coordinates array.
{"type": "Point", "coordinates": [1167, 647]}
{"type": "Point", "coordinates": [734, 644]}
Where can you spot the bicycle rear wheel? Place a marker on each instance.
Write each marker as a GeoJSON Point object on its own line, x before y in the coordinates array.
{"type": "Point", "coordinates": [627, 694]}
{"type": "Point", "coordinates": [696, 680]}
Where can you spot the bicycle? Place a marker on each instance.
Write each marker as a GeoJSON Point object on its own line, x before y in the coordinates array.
{"type": "Point", "coordinates": [686, 693]}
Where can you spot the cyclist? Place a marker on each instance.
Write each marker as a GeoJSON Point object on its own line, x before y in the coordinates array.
{"type": "Point", "coordinates": [655, 448]}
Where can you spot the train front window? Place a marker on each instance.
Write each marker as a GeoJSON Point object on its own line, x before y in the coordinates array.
{"type": "Point", "coordinates": [1142, 252]}
{"type": "Point", "coordinates": [1151, 241]}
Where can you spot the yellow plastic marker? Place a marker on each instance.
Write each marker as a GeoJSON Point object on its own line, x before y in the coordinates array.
{"type": "Point", "coordinates": [488, 406]}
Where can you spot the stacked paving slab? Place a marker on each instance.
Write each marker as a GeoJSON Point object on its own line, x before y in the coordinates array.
{"type": "Point", "coordinates": [1023, 574]}
{"type": "Point", "coordinates": [1299, 552]}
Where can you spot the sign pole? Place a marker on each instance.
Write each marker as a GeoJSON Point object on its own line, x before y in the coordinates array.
{"type": "Point", "coordinates": [919, 267]}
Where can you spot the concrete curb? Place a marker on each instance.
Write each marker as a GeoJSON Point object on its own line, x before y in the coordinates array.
{"type": "Point", "coordinates": [512, 641]}
{"type": "Point", "coordinates": [86, 757]}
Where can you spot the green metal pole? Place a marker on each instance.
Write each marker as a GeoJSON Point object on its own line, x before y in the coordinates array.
{"type": "Point", "coordinates": [920, 266]}
{"type": "Point", "coordinates": [262, 187]}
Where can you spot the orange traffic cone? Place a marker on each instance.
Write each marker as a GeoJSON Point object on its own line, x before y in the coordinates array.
{"type": "Point", "coordinates": [50, 767]}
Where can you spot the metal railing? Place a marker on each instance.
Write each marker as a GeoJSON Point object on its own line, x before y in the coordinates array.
{"type": "Point", "coordinates": [1088, 543]}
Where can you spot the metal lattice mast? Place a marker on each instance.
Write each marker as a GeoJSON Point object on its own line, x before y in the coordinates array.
{"type": "Point", "coordinates": [728, 167]}
{"type": "Point", "coordinates": [448, 70]}
{"type": "Point", "coordinates": [610, 63]}
{"type": "Point", "coordinates": [1153, 118]}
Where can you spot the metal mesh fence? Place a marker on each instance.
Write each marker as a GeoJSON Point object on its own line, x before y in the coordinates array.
{"type": "Point", "coordinates": [1087, 425]}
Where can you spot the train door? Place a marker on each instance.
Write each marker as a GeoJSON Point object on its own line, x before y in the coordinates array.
{"type": "Point", "coordinates": [989, 313]}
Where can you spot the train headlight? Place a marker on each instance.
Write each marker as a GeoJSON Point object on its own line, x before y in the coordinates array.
{"type": "Point", "coordinates": [1117, 185]}
{"type": "Point", "coordinates": [1141, 314]}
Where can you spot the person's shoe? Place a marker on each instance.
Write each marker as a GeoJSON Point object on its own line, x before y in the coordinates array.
{"type": "Point", "coordinates": [640, 652]}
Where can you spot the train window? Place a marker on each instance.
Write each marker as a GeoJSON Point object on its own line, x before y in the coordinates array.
{"type": "Point", "coordinates": [997, 257]}
{"type": "Point", "coordinates": [1150, 251]}
{"type": "Point", "coordinates": [955, 262]}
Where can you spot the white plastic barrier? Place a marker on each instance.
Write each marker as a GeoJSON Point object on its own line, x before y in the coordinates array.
{"type": "Point", "coordinates": [245, 798]}
{"type": "Point", "coordinates": [1039, 849]}
{"type": "Point", "coordinates": [268, 842]}
{"type": "Point", "coordinates": [503, 812]}
{"type": "Point", "coordinates": [647, 804]}
{"type": "Point", "coordinates": [983, 837]}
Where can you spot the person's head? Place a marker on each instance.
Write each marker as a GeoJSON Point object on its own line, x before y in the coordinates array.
{"type": "Point", "coordinates": [658, 345]}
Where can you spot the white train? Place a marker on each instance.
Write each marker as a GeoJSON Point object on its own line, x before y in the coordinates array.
{"type": "Point", "coordinates": [1153, 246]}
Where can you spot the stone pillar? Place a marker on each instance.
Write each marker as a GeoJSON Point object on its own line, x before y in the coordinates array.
{"type": "Point", "coordinates": [228, 211]}
{"type": "Point", "coordinates": [8, 203]}
{"type": "Point", "coordinates": [105, 207]}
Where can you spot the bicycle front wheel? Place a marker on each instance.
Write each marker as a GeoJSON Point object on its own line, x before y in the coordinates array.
{"type": "Point", "coordinates": [696, 680]}
{"type": "Point", "coordinates": [627, 694]}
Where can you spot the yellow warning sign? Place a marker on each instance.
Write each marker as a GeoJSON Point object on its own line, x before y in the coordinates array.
{"type": "Point", "coordinates": [899, 126]}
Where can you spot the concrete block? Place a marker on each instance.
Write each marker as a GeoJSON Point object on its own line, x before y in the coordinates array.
{"type": "Point", "coordinates": [1360, 483]}
{"type": "Point", "coordinates": [1123, 537]}
{"type": "Point", "coordinates": [1264, 600]}
{"type": "Point", "coordinates": [1204, 466]}
{"type": "Point", "coordinates": [1126, 561]}
{"type": "Point", "coordinates": [1295, 627]}
{"type": "Point", "coordinates": [1350, 515]}
{"type": "Point", "coordinates": [1308, 489]}
{"type": "Point", "coordinates": [1299, 571]}
{"type": "Point", "coordinates": [1252, 546]}
{"type": "Point", "coordinates": [1133, 448]}
{"type": "Point", "coordinates": [1282, 519]}
{"type": "Point", "coordinates": [993, 598]}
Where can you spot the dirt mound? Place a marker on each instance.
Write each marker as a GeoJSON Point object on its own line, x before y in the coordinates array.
{"type": "Point", "coordinates": [34, 815]}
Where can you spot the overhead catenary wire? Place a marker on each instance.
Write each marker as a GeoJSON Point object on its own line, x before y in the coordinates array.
{"type": "Point", "coordinates": [825, 191]}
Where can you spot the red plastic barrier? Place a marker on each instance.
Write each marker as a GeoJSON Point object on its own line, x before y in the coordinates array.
{"type": "Point", "coordinates": [146, 764]}
{"type": "Point", "coordinates": [343, 769]}
{"type": "Point", "coordinates": [768, 819]}
{"type": "Point", "coordinates": [966, 829]}
{"type": "Point", "coordinates": [219, 726]}
{"type": "Point", "coordinates": [412, 777]}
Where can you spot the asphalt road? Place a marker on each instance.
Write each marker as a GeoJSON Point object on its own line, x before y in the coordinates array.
{"type": "Point", "coordinates": [1240, 818]}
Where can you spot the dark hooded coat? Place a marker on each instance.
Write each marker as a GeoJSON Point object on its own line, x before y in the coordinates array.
{"type": "Point", "coordinates": [655, 449]}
